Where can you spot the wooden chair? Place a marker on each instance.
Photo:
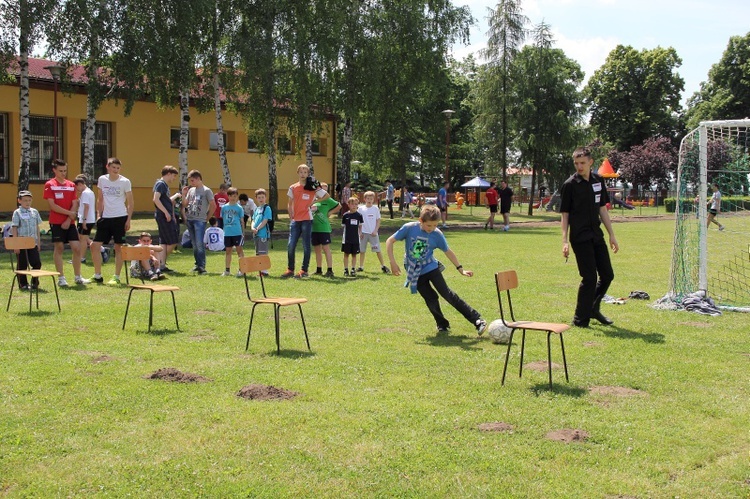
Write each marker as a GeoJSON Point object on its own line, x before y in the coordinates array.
{"type": "Point", "coordinates": [253, 264]}
{"type": "Point", "coordinates": [25, 244]}
{"type": "Point", "coordinates": [505, 282]}
{"type": "Point", "coordinates": [144, 253]}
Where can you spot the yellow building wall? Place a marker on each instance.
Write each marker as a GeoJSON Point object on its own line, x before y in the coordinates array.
{"type": "Point", "coordinates": [142, 142]}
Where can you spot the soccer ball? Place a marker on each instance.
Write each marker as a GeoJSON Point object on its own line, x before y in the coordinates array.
{"type": "Point", "coordinates": [499, 332]}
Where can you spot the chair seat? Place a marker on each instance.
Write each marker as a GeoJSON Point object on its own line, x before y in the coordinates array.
{"type": "Point", "coordinates": [283, 302]}
{"type": "Point", "coordinates": [540, 326]}
{"type": "Point", "coordinates": [38, 273]}
{"type": "Point", "coordinates": [156, 288]}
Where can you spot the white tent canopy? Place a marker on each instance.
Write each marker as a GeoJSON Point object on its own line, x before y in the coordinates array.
{"type": "Point", "coordinates": [476, 182]}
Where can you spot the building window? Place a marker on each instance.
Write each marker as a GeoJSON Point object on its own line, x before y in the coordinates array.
{"type": "Point", "coordinates": [213, 141]}
{"type": "Point", "coordinates": [174, 138]}
{"type": "Point", "coordinates": [284, 145]}
{"type": "Point", "coordinates": [42, 138]}
{"type": "Point", "coordinates": [102, 146]}
{"type": "Point", "coordinates": [253, 145]}
{"type": "Point", "coordinates": [4, 170]}
{"type": "Point", "coordinates": [319, 147]}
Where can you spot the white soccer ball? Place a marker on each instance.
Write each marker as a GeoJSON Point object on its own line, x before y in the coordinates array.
{"type": "Point", "coordinates": [499, 332]}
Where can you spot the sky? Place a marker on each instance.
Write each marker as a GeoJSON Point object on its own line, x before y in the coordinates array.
{"type": "Point", "coordinates": [587, 30]}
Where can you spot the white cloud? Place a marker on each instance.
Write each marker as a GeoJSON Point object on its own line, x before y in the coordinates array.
{"type": "Point", "coordinates": [590, 53]}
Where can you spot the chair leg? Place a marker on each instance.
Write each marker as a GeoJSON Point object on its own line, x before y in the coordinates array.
{"type": "Point", "coordinates": [174, 305]}
{"type": "Point", "coordinates": [565, 362]}
{"type": "Point", "coordinates": [277, 319]}
{"type": "Point", "coordinates": [250, 328]}
{"type": "Point", "coordinates": [523, 346]}
{"type": "Point", "coordinates": [507, 356]}
{"type": "Point", "coordinates": [12, 285]}
{"type": "Point", "coordinates": [150, 310]}
{"type": "Point", "coordinates": [304, 327]}
{"type": "Point", "coordinates": [31, 295]}
{"type": "Point", "coordinates": [127, 307]}
{"type": "Point", "coordinates": [57, 296]}
{"type": "Point", "coordinates": [549, 358]}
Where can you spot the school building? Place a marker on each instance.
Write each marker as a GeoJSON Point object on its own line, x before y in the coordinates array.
{"type": "Point", "coordinates": [144, 141]}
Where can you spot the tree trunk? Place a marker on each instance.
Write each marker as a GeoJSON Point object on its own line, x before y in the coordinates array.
{"type": "Point", "coordinates": [220, 133]}
{"type": "Point", "coordinates": [184, 134]}
{"type": "Point", "coordinates": [346, 152]}
{"type": "Point", "coordinates": [273, 191]}
{"type": "Point", "coordinates": [23, 97]}
{"type": "Point", "coordinates": [88, 145]}
{"type": "Point", "coordinates": [309, 152]}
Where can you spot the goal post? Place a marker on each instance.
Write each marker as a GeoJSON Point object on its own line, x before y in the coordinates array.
{"type": "Point", "coordinates": [708, 261]}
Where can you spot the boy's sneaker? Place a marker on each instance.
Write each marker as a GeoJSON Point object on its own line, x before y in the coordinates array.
{"type": "Point", "coordinates": [318, 272]}
{"type": "Point", "coordinates": [301, 275]}
{"type": "Point", "coordinates": [721, 227]}
{"type": "Point", "coordinates": [226, 273]}
{"type": "Point", "coordinates": [264, 273]}
{"type": "Point", "coordinates": [346, 272]}
{"type": "Point", "coordinates": [201, 271]}
{"type": "Point", "coordinates": [165, 269]}
{"type": "Point", "coordinates": [354, 273]}
{"type": "Point", "coordinates": [443, 329]}
{"type": "Point", "coordinates": [81, 280]}
{"type": "Point", "coordinates": [385, 269]}
{"type": "Point", "coordinates": [98, 280]}
{"type": "Point", "coordinates": [24, 288]}
{"type": "Point", "coordinates": [481, 325]}
{"type": "Point", "coordinates": [359, 269]}
{"type": "Point", "coordinates": [195, 268]}
{"type": "Point", "coordinates": [153, 276]}
{"type": "Point", "coordinates": [328, 274]}
{"type": "Point", "coordinates": [62, 282]}
{"type": "Point", "coordinates": [115, 281]}
{"type": "Point", "coordinates": [286, 275]}
{"type": "Point", "coordinates": [240, 274]}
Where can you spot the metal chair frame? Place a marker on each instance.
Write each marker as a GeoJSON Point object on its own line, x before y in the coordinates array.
{"type": "Point", "coordinates": [143, 253]}
{"type": "Point", "coordinates": [25, 243]}
{"type": "Point", "coordinates": [505, 281]}
{"type": "Point", "coordinates": [252, 264]}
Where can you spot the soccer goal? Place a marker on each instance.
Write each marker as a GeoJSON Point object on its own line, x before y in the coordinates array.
{"type": "Point", "coordinates": [707, 261]}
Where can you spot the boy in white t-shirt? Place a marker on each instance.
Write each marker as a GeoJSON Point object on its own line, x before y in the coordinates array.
{"type": "Point", "coordinates": [213, 239]}
{"type": "Point", "coordinates": [371, 215]}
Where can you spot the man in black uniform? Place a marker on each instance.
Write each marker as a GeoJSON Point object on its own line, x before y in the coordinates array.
{"type": "Point", "coordinates": [584, 206]}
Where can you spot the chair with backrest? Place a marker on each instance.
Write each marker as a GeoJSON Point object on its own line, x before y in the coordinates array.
{"type": "Point", "coordinates": [141, 253]}
{"type": "Point", "coordinates": [505, 282]}
{"type": "Point", "coordinates": [25, 244]}
{"type": "Point", "coordinates": [256, 265]}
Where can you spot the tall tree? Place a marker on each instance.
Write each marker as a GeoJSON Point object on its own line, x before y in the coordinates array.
{"type": "Point", "coordinates": [726, 94]}
{"type": "Point", "coordinates": [652, 164]}
{"type": "Point", "coordinates": [24, 23]}
{"type": "Point", "coordinates": [635, 95]}
{"type": "Point", "coordinates": [506, 35]}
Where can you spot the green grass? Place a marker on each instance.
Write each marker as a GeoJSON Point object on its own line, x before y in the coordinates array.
{"type": "Point", "coordinates": [386, 408]}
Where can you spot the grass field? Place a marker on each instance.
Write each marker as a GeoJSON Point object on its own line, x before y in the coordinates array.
{"type": "Point", "coordinates": [385, 407]}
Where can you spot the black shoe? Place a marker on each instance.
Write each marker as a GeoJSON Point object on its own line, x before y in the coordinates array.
{"type": "Point", "coordinates": [602, 318]}
{"type": "Point", "coordinates": [385, 269]}
{"type": "Point", "coordinates": [328, 274]}
{"type": "Point", "coordinates": [346, 272]}
{"type": "Point", "coordinates": [443, 329]}
{"type": "Point", "coordinates": [318, 272]}
{"type": "Point", "coordinates": [578, 323]}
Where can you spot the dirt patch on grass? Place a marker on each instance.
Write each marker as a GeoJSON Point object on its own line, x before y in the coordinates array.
{"type": "Point", "coordinates": [177, 376]}
{"type": "Point", "coordinates": [496, 426]}
{"type": "Point", "coordinates": [203, 337]}
{"type": "Point", "coordinates": [617, 391]}
{"type": "Point", "coordinates": [568, 435]}
{"type": "Point", "coordinates": [696, 324]}
{"type": "Point", "coordinates": [265, 392]}
{"type": "Point", "coordinates": [102, 358]}
{"type": "Point", "coordinates": [592, 344]}
{"type": "Point", "coordinates": [541, 365]}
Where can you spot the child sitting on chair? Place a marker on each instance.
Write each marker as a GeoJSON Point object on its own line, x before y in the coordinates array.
{"type": "Point", "coordinates": [147, 269]}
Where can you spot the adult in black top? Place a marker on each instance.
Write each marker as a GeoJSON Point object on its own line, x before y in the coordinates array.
{"type": "Point", "coordinates": [506, 198]}
{"type": "Point", "coordinates": [584, 208]}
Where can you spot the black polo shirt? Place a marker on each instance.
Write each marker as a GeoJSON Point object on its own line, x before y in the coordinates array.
{"type": "Point", "coordinates": [582, 199]}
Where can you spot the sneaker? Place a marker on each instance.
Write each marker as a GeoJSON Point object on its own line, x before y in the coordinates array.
{"type": "Point", "coordinates": [301, 275]}
{"type": "Point", "coordinates": [385, 269]}
{"type": "Point", "coordinates": [153, 276]}
{"type": "Point", "coordinates": [721, 227]}
{"type": "Point", "coordinates": [354, 273]}
{"type": "Point", "coordinates": [115, 281]}
{"type": "Point", "coordinates": [289, 273]}
{"type": "Point", "coordinates": [165, 269]}
{"type": "Point", "coordinates": [359, 269]}
{"type": "Point", "coordinates": [226, 273]}
{"type": "Point", "coordinates": [318, 272]}
{"type": "Point", "coordinates": [481, 325]}
{"type": "Point", "coordinates": [161, 276]}
{"type": "Point", "coordinates": [81, 280]}
{"type": "Point", "coordinates": [195, 268]}
{"type": "Point", "coordinates": [201, 271]}
{"type": "Point", "coordinates": [240, 274]}
{"type": "Point", "coordinates": [24, 288]}
{"type": "Point", "coordinates": [443, 329]}
{"type": "Point", "coordinates": [485, 226]}
{"type": "Point", "coordinates": [346, 272]}
{"type": "Point", "coordinates": [328, 274]}
{"type": "Point", "coordinates": [62, 282]}
{"type": "Point", "coordinates": [99, 280]}
{"type": "Point", "coordinates": [264, 273]}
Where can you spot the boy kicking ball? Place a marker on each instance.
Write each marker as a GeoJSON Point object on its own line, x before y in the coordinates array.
{"type": "Point", "coordinates": [424, 272]}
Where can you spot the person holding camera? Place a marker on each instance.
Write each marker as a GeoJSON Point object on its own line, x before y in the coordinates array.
{"type": "Point", "coordinates": [302, 195]}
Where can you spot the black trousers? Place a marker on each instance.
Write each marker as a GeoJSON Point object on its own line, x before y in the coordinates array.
{"type": "Point", "coordinates": [390, 206]}
{"type": "Point", "coordinates": [28, 258]}
{"type": "Point", "coordinates": [592, 258]}
{"type": "Point", "coordinates": [425, 287]}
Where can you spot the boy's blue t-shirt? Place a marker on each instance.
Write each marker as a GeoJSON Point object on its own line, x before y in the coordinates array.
{"type": "Point", "coordinates": [419, 245]}
{"type": "Point", "coordinates": [233, 215]}
{"type": "Point", "coordinates": [260, 214]}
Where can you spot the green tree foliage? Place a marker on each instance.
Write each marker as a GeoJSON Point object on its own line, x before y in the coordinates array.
{"type": "Point", "coordinates": [651, 165]}
{"type": "Point", "coordinates": [635, 95]}
{"type": "Point", "coordinates": [726, 94]}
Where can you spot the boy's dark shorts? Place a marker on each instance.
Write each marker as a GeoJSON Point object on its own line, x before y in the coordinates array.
{"type": "Point", "coordinates": [321, 238]}
{"type": "Point", "coordinates": [168, 231]}
{"type": "Point", "coordinates": [443, 209]}
{"type": "Point", "coordinates": [231, 241]}
{"type": "Point", "coordinates": [493, 208]}
{"type": "Point", "coordinates": [60, 235]}
{"type": "Point", "coordinates": [111, 228]}
{"type": "Point", "coordinates": [350, 248]}
{"type": "Point", "coordinates": [712, 212]}
{"type": "Point", "coordinates": [87, 231]}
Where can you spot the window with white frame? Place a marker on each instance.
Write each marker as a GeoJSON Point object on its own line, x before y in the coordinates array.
{"type": "Point", "coordinates": [102, 146]}
{"type": "Point", "coordinates": [4, 169]}
{"type": "Point", "coordinates": [42, 139]}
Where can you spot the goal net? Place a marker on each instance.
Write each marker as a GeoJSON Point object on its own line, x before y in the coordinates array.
{"type": "Point", "coordinates": [709, 259]}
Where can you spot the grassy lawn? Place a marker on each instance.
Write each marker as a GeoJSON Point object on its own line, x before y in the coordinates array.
{"type": "Point", "coordinates": [385, 408]}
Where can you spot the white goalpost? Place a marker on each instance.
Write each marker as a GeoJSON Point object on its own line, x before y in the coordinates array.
{"type": "Point", "coordinates": [708, 262]}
